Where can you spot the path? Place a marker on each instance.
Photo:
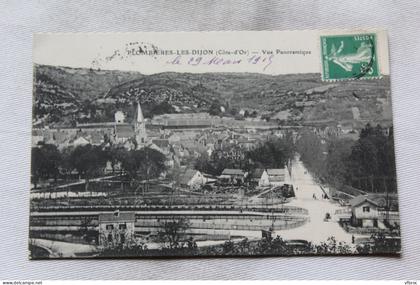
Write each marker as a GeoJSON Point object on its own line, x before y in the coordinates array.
{"type": "Point", "coordinates": [316, 230]}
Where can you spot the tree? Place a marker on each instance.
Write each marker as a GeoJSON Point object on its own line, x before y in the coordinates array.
{"type": "Point", "coordinates": [381, 244]}
{"type": "Point", "coordinates": [88, 160]}
{"type": "Point", "coordinates": [86, 231]}
{"type": "Point", "coordinates": [336, 169]}
{"type": "Point", "coordinates": [66, 166]}
{"type": "Point", "coordinates": [274, 153]}
{"type": "Point", "coordinates": [89, 108]}
{"type": "Point", "coordinates": [144, 164]}
{"type": "Point", "coordinates": [266, 117]}
{"type": "Point", "coordinates": [214, 109]}
{"type": "Point", "coordinates": [228, 247]}
{"type": "Point", "coordinates": [244, 247]}
{"type": "Point", "coordinates": [172, 232]}
{"type": "Point", "coordinates": [367, 164]}
{"type": "Point", "coordinates": [161, 108]}
{"type": "Point", "coordinates": [46, 160]}
{"type": "Point", "coordinates": [311, 151]}
{"type": "Point", "coordinates": [175, 176]}
{"type": "Point", "coordinates": [372, 160]}
{"type": "Point", "coordinates": [331, 246]}
{"type": "Point", "coordinates": [203, 164]}
{"type": "Point", "coordinates": [272, 246]}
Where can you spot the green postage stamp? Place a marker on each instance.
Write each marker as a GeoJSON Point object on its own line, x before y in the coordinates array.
{"type": "Point", "coordinates": [349, 57]}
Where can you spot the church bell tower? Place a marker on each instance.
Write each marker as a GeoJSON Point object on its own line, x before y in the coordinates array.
{"type": "Point", "coordinates": [140, 127]}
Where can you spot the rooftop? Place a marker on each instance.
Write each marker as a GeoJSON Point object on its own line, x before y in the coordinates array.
{"type": "Point", "coordinates": [124, 131]}
{"type": "Point", "coordinates": [162, 143]}
{"type": "Point", "coordinates": [187, 175]}
{"type": "Point", "coordinates": [257, 173]}
{"type": "Point", "coordinates": [361, 199]}
{"type": "Point", "coordinates": [230, 171]}
{"type": "Point", "coordinates": [275, 171]}
{"type": "Point", "coordinates": [117, 217]}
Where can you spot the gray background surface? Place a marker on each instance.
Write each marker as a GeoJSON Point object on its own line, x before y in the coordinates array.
{"type": "Point", "coordinates": [19, 19]}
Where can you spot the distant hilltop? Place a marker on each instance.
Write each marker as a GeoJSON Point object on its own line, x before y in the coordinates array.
{"type": "Point", "coordinates": [67, 96]}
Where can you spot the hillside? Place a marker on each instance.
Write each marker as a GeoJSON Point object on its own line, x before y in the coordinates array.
{"type": "Point", "coordinates": [92, 95]}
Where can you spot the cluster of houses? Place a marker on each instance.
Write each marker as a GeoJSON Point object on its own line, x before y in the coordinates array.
{"type": "Point", "coordinates": [120, 131]}
{"type": "Point", "coordinates": [117, 132]}
{"type": "Point", "coordinates": [180, 137]}
{"type": "Point", "coordinates": [195, 179]}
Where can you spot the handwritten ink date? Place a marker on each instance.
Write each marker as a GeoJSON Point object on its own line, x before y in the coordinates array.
{"type": "Point", "coordinates": [265, 60]}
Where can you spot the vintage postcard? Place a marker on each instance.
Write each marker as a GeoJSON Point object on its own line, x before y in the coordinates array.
{"type": "Point", "coordinates": [271, 143]}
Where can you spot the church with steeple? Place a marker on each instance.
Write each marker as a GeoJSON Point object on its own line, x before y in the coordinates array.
{"type": "Point", "coordinates": [130, 134]}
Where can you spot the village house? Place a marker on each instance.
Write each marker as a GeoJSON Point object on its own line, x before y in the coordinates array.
{"type": "Point", "coordinates": [232, 176]}
{"type": "Point", "coordinates": [163, 145]}
{"type": "Point", "coordinates": [268, 177]}
{"type": "Point", "coordinates": [264, 179]}
{"type": "Point", "coordinates": [60, 138]}
{"type": "Point", "coordinates": [276, 176]}
{"type": "Point", "coordinates": [345, 128]}
{"type": "Point", "coordinates": [193, 179]}
{"type": "Point", "coordinates": [129, 144]}
{"type": "Point", "coordinates": [96, 139]}
{"type": "Point", "coordinates": [111, 168]}
{"type": "Point", "coordinates": [123, 133]}
{"type": "Point", "coordinates": [153, 146]}
{"type": "Point", "coordinates": [180, 152]}
{"type": "Point", "coordinates": [259, 177]}
{"type": "Point", "coordinates": [119, 117]}
{"type": "Point", "coordinates": [364, 212]}
{"type": "Point", "coordinates": [194, 148]}
{"type": "Point", "coordinates": [80, 141]}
